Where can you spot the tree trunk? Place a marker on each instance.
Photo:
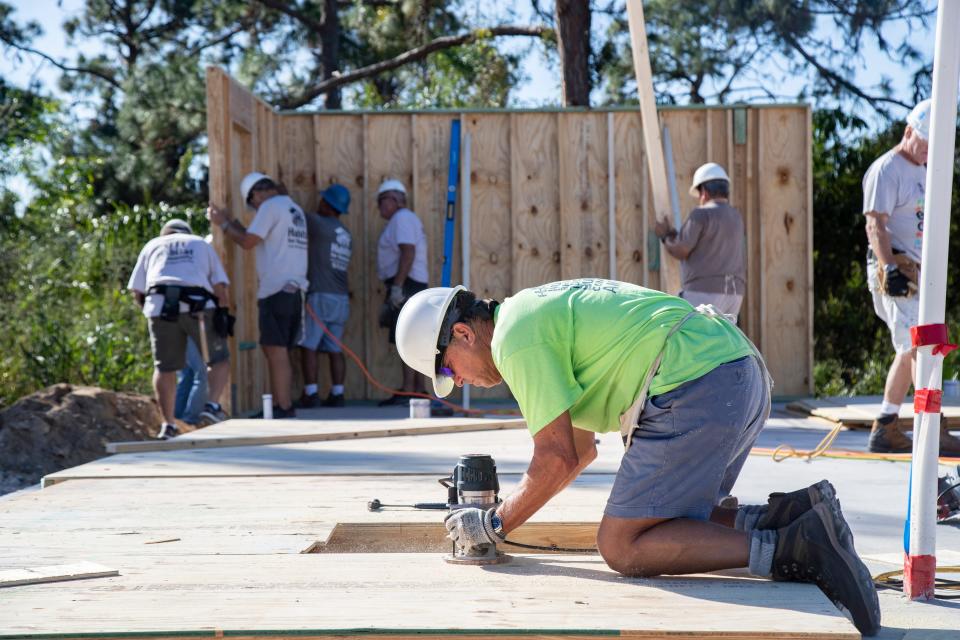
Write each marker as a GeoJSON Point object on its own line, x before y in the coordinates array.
{"type": "Point", "coordinates": [330, 53]}
{"type": "Point", "coordinates": [573, 44]}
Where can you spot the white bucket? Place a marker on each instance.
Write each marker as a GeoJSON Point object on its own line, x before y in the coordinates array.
{"type": "Point", "coordinates": [268, 406]}
{"type": "Point", "coordinates": [419, 408]}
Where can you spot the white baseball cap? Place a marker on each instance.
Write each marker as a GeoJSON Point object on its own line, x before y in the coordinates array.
{"type": "Point", "coordinates": [919, 118]}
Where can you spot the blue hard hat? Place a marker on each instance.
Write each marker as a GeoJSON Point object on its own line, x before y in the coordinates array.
{"type": "Point", "coordinates": [337, 196]}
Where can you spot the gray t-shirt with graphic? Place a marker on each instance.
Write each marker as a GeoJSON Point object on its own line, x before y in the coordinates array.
{"type": "Point", "coordinates": [895, 186]}
{"type": "Point", "coordinates": [330, 248]}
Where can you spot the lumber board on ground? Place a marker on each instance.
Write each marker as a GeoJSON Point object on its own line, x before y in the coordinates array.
{"type": "Point", "coordinates": [55, 573]}
{"type": "Point", "coordinates": [325, 595]}
{"type": "Point", "coordinates": [861, 410]}
{"type": "Point", "coordinates": [245, 433]}
{"type": "Point", "coordinates": [512, 449]}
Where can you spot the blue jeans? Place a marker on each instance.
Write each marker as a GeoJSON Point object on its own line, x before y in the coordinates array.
{"type": "Point", "coordinates": [191, 386]}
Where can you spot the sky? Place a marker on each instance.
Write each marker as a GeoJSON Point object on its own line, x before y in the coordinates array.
{"type": "Point", "coordinates": [540, 84]}
{"type": "Point", "coordinates": [541, 80]}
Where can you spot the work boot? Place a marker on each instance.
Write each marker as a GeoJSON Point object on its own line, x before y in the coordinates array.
{"type": "Point", "coordinates": [949, 444]}
{"type": "Point", "coordinates": [887, 436]}
{"type": "Point", "coordinates": [808, 550]}
{"type": "Point", "coordinates": [333, 400]}
{"type": "Point", "coordinates": [784, 508]}
{"type": "Point", "coordinates": [308, 400]}
{"type": "Point", "coordinates": [167, 431]}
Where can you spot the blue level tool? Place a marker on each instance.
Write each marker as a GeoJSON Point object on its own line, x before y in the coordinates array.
{"type": "Point", "coordinates": [453, 176]}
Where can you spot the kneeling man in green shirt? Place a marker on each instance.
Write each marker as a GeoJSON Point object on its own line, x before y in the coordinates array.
{"type": "Point", "coordinates": [688, 392]}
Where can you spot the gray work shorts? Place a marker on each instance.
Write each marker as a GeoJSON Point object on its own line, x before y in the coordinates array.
{"type": "Point", "coordinates": [691, 444]}
{"type": "Point", "coordinates": [333, 310]}
{"type": "Point", "coordinates": [168, 341]}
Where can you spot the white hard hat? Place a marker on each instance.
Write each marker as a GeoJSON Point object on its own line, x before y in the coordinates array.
{"type": "Point", "coordinates": [391, 185]}
{"type": "Point", "coordinates": [418, 333]}
{"type": "Point", "coordinates": [248, 181]}
{"type": "Point", "coordinates": [919, 118]}
{"type": "Point", "coordinates": [706, 173]}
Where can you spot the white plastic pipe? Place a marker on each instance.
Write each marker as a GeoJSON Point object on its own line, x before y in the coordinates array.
{"type": "Point", "coordinates": [465, 230]}
{"type": "Point", "coordinates": [920, 560]}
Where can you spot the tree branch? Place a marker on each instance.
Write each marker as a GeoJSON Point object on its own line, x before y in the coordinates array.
{"type": "Point", "coordinates": [834, 79]}
{"type": "Point", "coordinates": [413, 55]}
{"type": "Point", "coordinates": [88, 70]}
{"type": "Point", "coordinates": [284, 8]}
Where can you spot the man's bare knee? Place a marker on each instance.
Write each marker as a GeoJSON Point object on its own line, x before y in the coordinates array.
{"type": "Point", "coordinates": [624, 551]}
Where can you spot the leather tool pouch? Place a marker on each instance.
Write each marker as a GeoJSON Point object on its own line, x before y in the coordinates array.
{"type": "Point", "coordinates": [171, 303]}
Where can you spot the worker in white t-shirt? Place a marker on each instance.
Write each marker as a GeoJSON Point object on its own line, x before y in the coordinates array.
{"type": "Point", "coordinates": [181, 285]}
{"type": "Point", "coordinates": [278, 233]}
{"type": "Point", "coordinates": [893, 197]}
{"type": "Point", "coordinates": [402, 266]}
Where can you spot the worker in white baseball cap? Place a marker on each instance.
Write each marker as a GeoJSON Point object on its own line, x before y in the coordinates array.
{"type": "Point", "coordinates": [893, 195]}
{"type": "Point", "coordinates": [402, 267]}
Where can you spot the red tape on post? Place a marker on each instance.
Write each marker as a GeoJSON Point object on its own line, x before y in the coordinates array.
{"type": "Point", "coordinates": [932, 334]}
{"type": "Point", "coordinates": [927, 400]}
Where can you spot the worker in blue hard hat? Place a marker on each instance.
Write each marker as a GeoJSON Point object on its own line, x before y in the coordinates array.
{"type": "Point", "coordinates": [328, 296]}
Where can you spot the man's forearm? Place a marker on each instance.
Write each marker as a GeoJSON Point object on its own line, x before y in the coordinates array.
{"type": "Point", "coordinates": [879, 239]}
{"type": "Point", "coordinates": [403, 269]}
{"type": "Point", "coordinates": [539, 484]}
{"type": "Point", "coordinates": [235, 230]}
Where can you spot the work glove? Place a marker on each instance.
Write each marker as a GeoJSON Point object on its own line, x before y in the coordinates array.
{"type": "Point", "coordinates": [396, 296]}
{"type": "Point", "coordinates": [470, 527]}
{"type": "Point", "coordinates": [895, 282]}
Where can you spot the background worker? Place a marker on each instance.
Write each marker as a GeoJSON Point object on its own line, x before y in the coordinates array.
{"type": "Point", "coordinates": [176, 278]}
{"type": "Point", "coordinates": [402, 266]}
{"type": "Point", "coordinates": [328, 296]}
{"type": "Point", "coordinates": [893, 196]}
{"type": "Point", "coordinates": [689, 394]}
{"type": "Point", "coordinates": [710, 245]}
{"type": "Point", "coordinates": [278, 233]}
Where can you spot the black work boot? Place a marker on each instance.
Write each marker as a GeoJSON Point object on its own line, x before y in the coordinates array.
{"type": "Point", "coordinates": [887, 436]}
{"type": "Point", "coordinates": [784, 508]}
{"type": "Point", "coordinates": [808, 550]}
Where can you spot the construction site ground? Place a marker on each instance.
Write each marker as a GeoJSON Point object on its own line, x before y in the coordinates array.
{"type": "Point", "coordinates": [276, 541]}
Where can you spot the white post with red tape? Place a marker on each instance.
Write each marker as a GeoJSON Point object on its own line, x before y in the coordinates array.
{"type": "Point", "coordinates": [930, 336]}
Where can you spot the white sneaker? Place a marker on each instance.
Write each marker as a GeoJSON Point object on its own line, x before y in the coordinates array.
{"type": "Point", "coordinates": [168, 431]}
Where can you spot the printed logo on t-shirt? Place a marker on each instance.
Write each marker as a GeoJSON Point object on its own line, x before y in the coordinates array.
{"type": "Point", "coordinates": [340, 250]}
{"type": "Point", "coordinates": [178, 252]}
{"type": "Point", "coordinates": [585, 284]}
{"type": "Point", "coordinates": [918, 211]}
{"type": "Point", "coordinates": [297, 231]}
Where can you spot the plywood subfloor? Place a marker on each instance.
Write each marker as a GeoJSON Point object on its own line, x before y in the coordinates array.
{"type": "Point", "coordinates": [861, 410]}
{"type": "Point", "coordinates": [241, 432]}
{"type": "Point", "coordinates": [310, 596]}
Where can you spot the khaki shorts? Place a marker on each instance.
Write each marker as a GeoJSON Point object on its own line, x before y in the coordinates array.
{"type": "Point", "coordinates": [168, 341]}
{"type": "Point", "coordinates": [899, 314]}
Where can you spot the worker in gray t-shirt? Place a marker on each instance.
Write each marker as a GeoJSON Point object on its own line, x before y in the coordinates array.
{"type": "Point", "coordinates": [328, 297]}
{"type": "Point", "coordinates": [710, 244]}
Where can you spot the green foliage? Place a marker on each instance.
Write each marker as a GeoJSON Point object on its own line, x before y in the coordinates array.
{"type": "Point", "coordinates": [64, 266]}
{"type": "Point", "coordinates": [852, 346]}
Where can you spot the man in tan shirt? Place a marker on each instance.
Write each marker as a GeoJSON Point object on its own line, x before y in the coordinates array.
{"type": "Point", "coordinates": [710, 244]}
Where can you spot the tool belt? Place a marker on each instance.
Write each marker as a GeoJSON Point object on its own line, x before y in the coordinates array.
{"type": "Point", "coordinates": [904, 263]}
{"type": "Point", "coordinates": [195, 298]}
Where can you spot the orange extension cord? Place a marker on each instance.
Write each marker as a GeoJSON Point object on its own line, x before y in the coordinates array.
{"type": "Point", "coordinates": [398, 392]}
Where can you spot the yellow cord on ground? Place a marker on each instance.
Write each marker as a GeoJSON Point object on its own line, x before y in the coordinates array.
{"type": "Point", "coordinates": [786, 451]}
{"type": "Point", "coordinates": [889, 581]}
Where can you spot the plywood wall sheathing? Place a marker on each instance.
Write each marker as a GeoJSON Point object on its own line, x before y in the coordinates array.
{"type": "Point", "coordinates": [540, 208]}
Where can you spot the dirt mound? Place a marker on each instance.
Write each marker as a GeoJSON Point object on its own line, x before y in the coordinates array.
{"type": "Point", "coordinates": [63, 426]}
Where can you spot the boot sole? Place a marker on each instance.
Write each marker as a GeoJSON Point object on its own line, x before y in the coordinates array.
{"type": "Point", "coordinates": [856, 567]}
